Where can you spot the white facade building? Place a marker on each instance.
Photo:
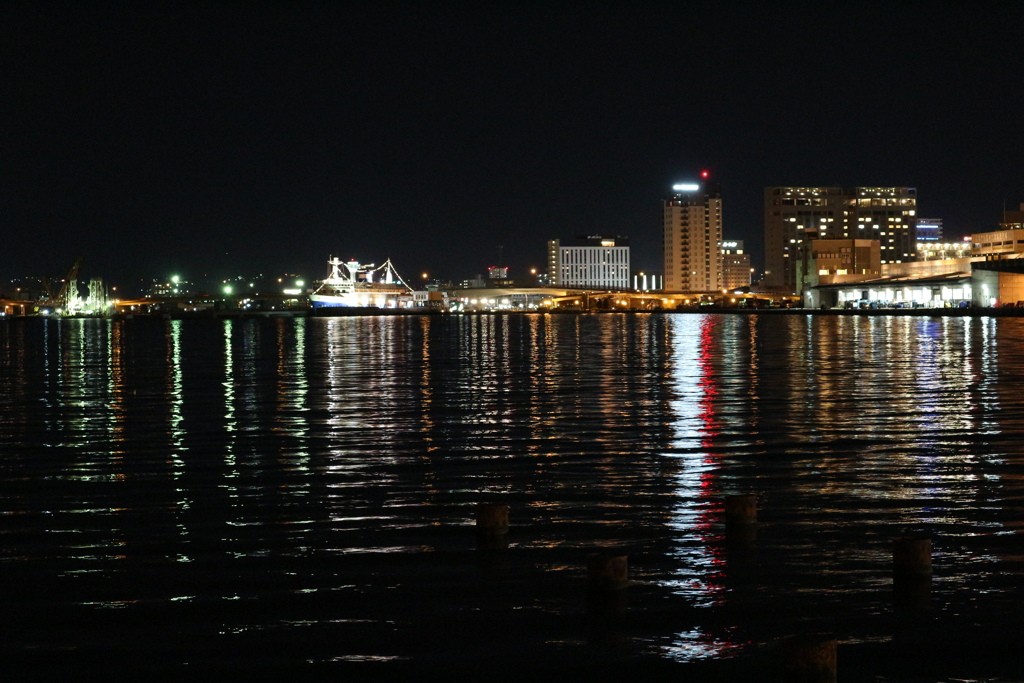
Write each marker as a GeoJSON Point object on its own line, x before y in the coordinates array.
{"type": "Point", "coordinates": [599, 263]}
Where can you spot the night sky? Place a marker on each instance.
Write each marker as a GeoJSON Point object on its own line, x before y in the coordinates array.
{"type": "Point", "coordinates": [218, 139]}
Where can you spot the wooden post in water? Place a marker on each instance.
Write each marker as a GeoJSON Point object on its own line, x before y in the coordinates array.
{"type": "Point", "coordinates": [741, 520]}
{"type": "Point", "coordinates": [607, 572]}
{"type": "Point", "coordinates": [492, 518]}
{"type": "Point", "coordinates": [809, 659]}
{"type": "Point", "coordinates": [491, 526]}
{"type": "Point", "coordinates": [741, 509]}
{"type": "Point", "coordinates": [912, 556]}
{"type": "Point", "coordinates": [912, 571]}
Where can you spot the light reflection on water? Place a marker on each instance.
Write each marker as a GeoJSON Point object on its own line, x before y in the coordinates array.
{"type": "Point", "coordinates": [342, 456]}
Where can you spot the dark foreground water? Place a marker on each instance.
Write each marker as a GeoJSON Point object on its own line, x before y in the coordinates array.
{"type": "Point", "coordinates": [297, 495]}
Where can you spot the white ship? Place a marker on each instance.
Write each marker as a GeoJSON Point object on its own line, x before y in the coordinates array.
{"type": "Point", "coordinates": [361, 285]}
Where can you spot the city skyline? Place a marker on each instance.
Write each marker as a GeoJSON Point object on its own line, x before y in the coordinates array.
{"type": "Point", "coordinates": [212, 139]}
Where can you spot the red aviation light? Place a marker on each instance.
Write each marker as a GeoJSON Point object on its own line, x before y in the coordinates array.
{"type": "Point", "coordinates": [703, 174]}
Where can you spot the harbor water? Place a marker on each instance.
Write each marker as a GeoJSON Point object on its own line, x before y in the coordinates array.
{"type": "Point", "coordinates": [298, 494]}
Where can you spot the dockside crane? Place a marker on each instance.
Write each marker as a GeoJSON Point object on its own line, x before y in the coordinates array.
{"type": "Point", "coordinates": [62, 298]}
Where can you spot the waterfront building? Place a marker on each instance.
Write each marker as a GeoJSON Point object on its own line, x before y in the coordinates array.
{"type": "Point", "coordinates": [497, 276]}
{"type": "Point", "coordinates": [1013, 219]}
{"type": "Point", "coordinates": [590, 261]}
{"type": "Point", "coordinates": [793, 216]}
{"type": "Point", "coordinates": [998, 244]}
{"type": "Point", "coordinates": [845, 260]}
{"type": "Point", "coordinates": [838, 261]}
{"type": "Point", "coordinates": [990, 273]}
{"type": "Point", "coordinates": [691, 237]}
{"type": "Point", "coordinates": [938, 251]}
{"type": "Point", "coordinates": [929, 230]}
{"type": "Point", "coordinates": [735, 265]}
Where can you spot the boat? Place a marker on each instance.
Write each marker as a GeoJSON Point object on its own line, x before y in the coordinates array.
{"type": "Point", "coordinates": [354, 285]}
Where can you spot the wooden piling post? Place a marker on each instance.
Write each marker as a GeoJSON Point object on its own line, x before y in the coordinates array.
{"type": "Point", "coordinates": [607, 572]}
{"type": "Point", "coordinates": [492, 518]}
{"type": "Point", "coordinates": [491, 526]}
{"type": "Point", "coordinates": [809, 659]}
{"type": "Point", "coordinates": [741, 509]}
{"type": "Point", "coordinates": [912, 556]}
{"type": "Point", "coordinates": [912, 572]}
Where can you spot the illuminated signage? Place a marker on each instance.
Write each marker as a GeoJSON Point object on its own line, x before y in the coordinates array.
{"type": "Point", "coordinates": [686, 187]}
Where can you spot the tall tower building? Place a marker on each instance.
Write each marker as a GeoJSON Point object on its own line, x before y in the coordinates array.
{"type": "Point", "coordinates": [691, 238]}
{"type": "Point", "coordinates": [793, 216]}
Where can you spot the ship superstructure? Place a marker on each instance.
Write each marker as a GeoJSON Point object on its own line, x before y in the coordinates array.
{"type": "Point", "coordinates": [358, 285]}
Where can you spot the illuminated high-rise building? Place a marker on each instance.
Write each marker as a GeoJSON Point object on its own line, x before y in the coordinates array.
{"type": "Point", "coordinates": [692, 236]}
{"type": "Point", "coordinates": [793, 216]}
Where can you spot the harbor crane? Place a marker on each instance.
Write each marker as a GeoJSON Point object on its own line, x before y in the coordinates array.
{"type": "Point", "coordinates": [64, 295]}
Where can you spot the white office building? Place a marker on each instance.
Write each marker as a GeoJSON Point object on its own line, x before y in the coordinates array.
{"type": "Point", "coordinates": [592, 261]}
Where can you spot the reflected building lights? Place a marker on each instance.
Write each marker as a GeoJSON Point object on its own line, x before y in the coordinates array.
{"type": "Point", "coordinates": [693, 425]}
{"type": "Point", "coordinates": [276, 438]}
{"type": "Point", "coordinates": [537, 422]}
{"type": "Point", "coordinates": [116, 426]}
{"type": "Point", "coordinates": [230, 419]}
{"type": "Point", "coordinates": [292, 388]}
{"type": "Point", "coordinates": [426, 389]}
{"type": "Point", "coordinates": [175, 396]}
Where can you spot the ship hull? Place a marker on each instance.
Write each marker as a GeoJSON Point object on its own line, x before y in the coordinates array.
{"type": "Point", "coordinates": [366, 298]}
{"type": "Point", "coordinates": [329, 301]}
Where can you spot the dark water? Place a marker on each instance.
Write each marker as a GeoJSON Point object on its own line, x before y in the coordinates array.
{"type": "Point", "coordinates": [298, 494]}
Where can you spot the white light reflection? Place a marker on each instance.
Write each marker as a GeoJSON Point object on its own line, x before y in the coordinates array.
{"type": "Point", "coordinates": [693, 422]}
{"type": "Point", "coordinates": [116, 394]}
{"type": "Point", "coordinates": [343, 382]}
{"type": "Point", "coordinates": [293, 386]}
{"type": "Point", "coordinates": [175, 418]}
{"type": "Point", "coordinates": [426, 388]}
{"type": "Point", "coordinates": [174, 391]}
{"type": "Point", "coordinates": [230, 421]}
{"type": "Point", "coordinates": [693, 645]}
